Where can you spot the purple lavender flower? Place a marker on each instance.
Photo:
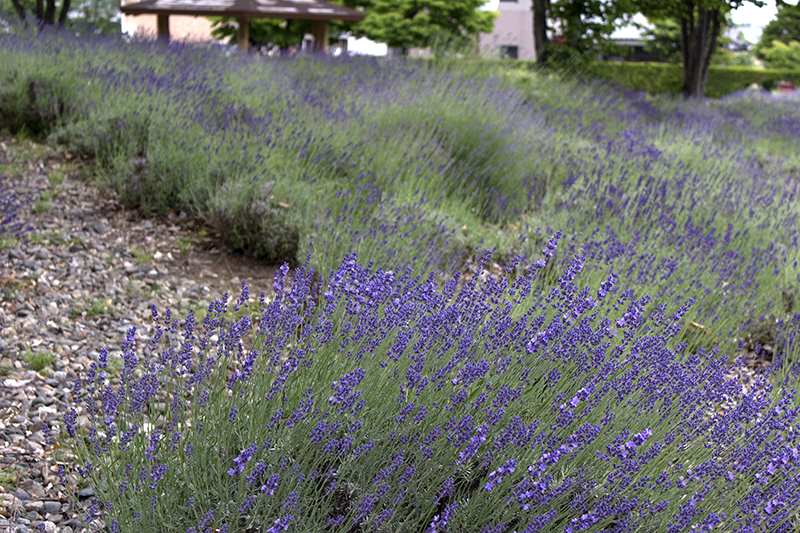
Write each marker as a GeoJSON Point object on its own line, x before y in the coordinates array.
{"type": "Point", "coordinates": [440, 521]}
{"type": "Point", "coordinates": [496, 477]}
{"type": "Point", "coordinates": [550, 249]}
{"type": "Point", "coordinates": [248, 502]}
{"type": "Point", "coordinates": [246, 455]}
{"type": "Point", "coordinates": [281, 524]}
{"type": "Point", "coordinates": [269, 487]}
{"type": "Point", "coordinates": [474, 443]}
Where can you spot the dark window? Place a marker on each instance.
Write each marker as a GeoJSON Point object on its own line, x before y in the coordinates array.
{"type": "Point", "coordinates": [509, 52]}
{"type": "Point", "coordinates": [515, 1]}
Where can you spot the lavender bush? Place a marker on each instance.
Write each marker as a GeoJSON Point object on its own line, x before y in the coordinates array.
{"type": "Point", "coordinates": [383, 401]}
{"type": "Point", "coordinates": [324, 156]}
{"type": "Point", "coordinates": [584, 386]}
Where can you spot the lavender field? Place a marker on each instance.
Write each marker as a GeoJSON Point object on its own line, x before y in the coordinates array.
{"type": "Point", "coordinates": [517, 303]}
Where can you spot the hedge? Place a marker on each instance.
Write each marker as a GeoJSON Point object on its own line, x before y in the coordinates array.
{"type": "Point", "coordinates": [666, 78]}
{"type": "Point", "coordinates": [660, 78]}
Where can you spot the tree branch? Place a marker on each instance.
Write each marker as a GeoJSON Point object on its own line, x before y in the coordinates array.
{"type": "Point", "coordinates": [711, 44]}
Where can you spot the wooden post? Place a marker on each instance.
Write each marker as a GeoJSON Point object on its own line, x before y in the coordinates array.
{"type": "Point", "coordinates": [162, 27]}
{"type": "Point", "coordinates": [243, 35]}
{"type": "Point", "coordinates": [320, 29]}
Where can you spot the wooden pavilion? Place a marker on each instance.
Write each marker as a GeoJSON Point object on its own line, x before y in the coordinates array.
{"type": "Point", "coordinates": [317, 11]}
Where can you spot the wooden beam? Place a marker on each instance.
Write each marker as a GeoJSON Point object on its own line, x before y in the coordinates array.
{"type": "Point", "coordinates": [162, 27]}
{"type": "Point", "coordinates": [320, 29]}
{"type": "Point", "coordinates": [243, 35]}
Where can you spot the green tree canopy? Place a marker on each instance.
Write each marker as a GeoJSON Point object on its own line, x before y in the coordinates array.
{"type": "Point", "coordinates": [784, 28]}
{"type": "Point", "coordinates": [283, 33]}
{"type": "Point", "coordinates": [43, 11]}
{"type": "Point", "coordinates": [585, 25]}
{"type": "Point", "coordinates": [405, 24]}
{"type": "Point", "coordinates": [664, 38]}
{"type": "Point", "coordinates": [264, 32]}
{"type": "Point", "coordinates": [100, 15]}
{"type": "Point", "coordinates": [781, 55]}
{"type": "Point", "coordinates": [701, 23]}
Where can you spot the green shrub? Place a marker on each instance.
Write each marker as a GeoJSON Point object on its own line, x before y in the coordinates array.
{"type": "Point", "coordinates": [660, 78]}
{"type": "Point", "coordinates": [32, 103]}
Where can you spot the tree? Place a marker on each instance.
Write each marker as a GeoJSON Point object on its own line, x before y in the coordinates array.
{"type": "Point", "coordinates": [781, 55]}
{"type": "Point", "coordinates": [283, 33]}
{"type": "Point", "coordinates": [784, 28]}
{"type": "Point", "coordinates": [263, 32]}
{"type": "Point", "coordinates": [701, 23]}
{"type": "Point", "coordinates": [102, 15]}
{"type": "Point", "coordinates": [45, 13]}
{"type": "Point", "coordinates": [541, 8]}
{"type": "Point", "coordinates": [584, 24]}
{"type": "Point", "coordinates": [401, 24]}
{"type": "Point", "coordinates": [405, 24]}
{"type": "Point", "coordinates": [664, 39]}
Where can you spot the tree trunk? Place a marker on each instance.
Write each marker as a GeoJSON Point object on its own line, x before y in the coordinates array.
{"type": "Point", "coordinates": [19, 9]}
{"type": "Point", "coordinates": [50, 12]}
{"type": "Point", "coordinates": [40, 11]}
{"type": "Point", "coordinates": [62, 17]}
{"type": "Point", "coordinates": [540, 40]}
{"type": "Point", "coordinates": [700, 29]}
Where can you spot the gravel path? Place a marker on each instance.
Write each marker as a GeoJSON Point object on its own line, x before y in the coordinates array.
{"type": "Point", "coordinates": [89, 272]}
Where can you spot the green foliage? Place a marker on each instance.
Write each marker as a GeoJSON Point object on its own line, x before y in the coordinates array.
{"type": "Point", "coordinates": [7, 243]}
{"type": "Point", "coordinates": [586, 24]}
{"type": "Point", "coordinates": [263, 32]}
{"type": "Point", "coordinates": [40, 359]}
{"type": "Point", "coordinates": [102, 16]}
{"type": "Point", "coordinates": [97, 307]}
{"type": "Point", "coordinates": [701, 23]}
{"type": "Point", "coordinates": [784, 28]}
{"type": "Point", "coordinates": [8, 477]}
{"type": "Point", "coordinates": [83, 16]}
{"type": "Point", "coordinates": [783, 56]}
{"type": "Point", "coordinates": [664, 38]}
{"type": "Point", "coordinates": [141, 255]}
{"type": "Point", "coordinates": [728, 58]}
{"type": "Point", "coordinates": [661, 78]}
{"type": "Point", "coordinates": [406, 24]}
{"type": "Point", "coordinates": [34, 102]}
{"type": "Point", "coordinates": [41, 206]}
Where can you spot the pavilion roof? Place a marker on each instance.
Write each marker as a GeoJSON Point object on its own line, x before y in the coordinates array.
{"type": "Point", "coordinates": [279, 9]}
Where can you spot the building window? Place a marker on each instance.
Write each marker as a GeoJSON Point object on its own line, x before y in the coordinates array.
{"type": "Point", "coordinates": [515, 1]}
{"type": "Point", "coordinates": [509, 52]}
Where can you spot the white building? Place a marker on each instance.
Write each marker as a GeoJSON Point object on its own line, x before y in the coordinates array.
{"type": "Point", "coordinates": [513, 32]}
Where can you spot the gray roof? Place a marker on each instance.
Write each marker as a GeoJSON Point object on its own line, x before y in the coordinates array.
{"type": "Point", "coordinates": [279, 9]}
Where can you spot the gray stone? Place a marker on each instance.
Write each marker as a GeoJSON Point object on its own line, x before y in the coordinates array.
{"type": "Point", "coordinates": [34, 505]}
{"type": "Point", "coordinates": [51, 507]}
